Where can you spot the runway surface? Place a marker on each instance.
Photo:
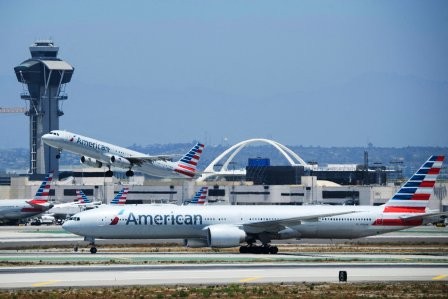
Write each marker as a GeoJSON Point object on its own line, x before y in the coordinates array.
{"type": "Point", "coordinates": [53, 267]}
{"type": "Point", "coordinates": [122, 275]}
{"type": "Point", "coordinates": [68, 269]}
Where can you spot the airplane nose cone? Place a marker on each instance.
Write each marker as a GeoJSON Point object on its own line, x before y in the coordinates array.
{"type": "Point", "coordinates": [50, 139]}
{"type": "Point", "coordinates": [68, 226]}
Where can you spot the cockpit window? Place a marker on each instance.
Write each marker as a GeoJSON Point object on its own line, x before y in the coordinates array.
{"type": "Point", "coordinates": [74, 218]}
{"type": "Point", "coordinates": [54, 133]}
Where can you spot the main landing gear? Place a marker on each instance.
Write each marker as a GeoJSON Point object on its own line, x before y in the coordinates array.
{"type": "Point", "coordinates": [264, 249]}
{"type": "Point", "coordinates": [129, 173]}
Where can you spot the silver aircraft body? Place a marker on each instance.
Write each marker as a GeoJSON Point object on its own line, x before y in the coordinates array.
{"type": "Point", "coordinates": [16, 209]}
{"type": "Point", "coordinates": [96, 153]}
{"type": "Point", "coordinates": [229, 226]}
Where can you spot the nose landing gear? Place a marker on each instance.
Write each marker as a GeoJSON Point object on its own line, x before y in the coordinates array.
{"type": "Point", "coordinates": [91, 241]}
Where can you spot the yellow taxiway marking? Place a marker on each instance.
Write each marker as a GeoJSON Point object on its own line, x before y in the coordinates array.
{"type": "Point", "coordinates": [44, 283]}
{"type": "Point", "coordinates": [249, 279]}
{"type": "Point", "coordinates": [440, 277]}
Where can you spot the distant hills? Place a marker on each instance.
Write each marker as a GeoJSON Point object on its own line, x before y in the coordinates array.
{"type": "Point", "coordinates": [409, 158]}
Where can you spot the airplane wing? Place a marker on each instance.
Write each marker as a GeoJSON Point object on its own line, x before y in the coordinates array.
{"type": "Point", "coordinates": [274, 226]}
{"type": "Point", "coordinates": [424, 216]}
{"type": "Point", "coordinates": [139, 160]}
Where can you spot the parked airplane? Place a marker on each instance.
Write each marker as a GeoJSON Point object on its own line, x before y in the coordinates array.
{"type": "Point", "coordinates": [16, 209]}
{"type": "Point", "coordinates": [97, 153]}
{"type": "Point", "coordinates": [229, 226]}
{"type": "Point", "coordinates": [200, 196]}
{"type": "Point", "coordinates": [63, 210]}
{"type": "Point", "coordinates": [120, 198]}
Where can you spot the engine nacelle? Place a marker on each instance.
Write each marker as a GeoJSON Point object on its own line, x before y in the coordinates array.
{"type": "Point", "coordinates": [222, 236]}
{"type": "Point", "coordinates": [91, 162]}
{"type": "Point", "coordinates": [120, 162]}
{"type": "Point", "coordinates": [196, 243]}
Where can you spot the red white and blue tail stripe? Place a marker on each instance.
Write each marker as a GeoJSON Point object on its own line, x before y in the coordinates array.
{"type": "Point", "coordinates": [200, 196]}
{"type": "Point", "coordinates": [43, 192]}
{"type": "Point", "coordinates": [413, 197]}
{"type": "Point", "coordinates": [188, 163]}
{"type": "Point", "coordinates": [120, 198]}
{"type": "Point", "coordinates": [81, 197]}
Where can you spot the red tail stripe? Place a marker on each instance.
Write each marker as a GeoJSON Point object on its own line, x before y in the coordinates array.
{"type": "Point", "coordinates": [440, 158]}
{"type": "Point", "coordinates": [434, 171]}
{"type": "Point", "coordinates": [186, 167]}
{"type": "Point", "coordinates": [193, 163]}
{"type": "Point", "coordinates": [421, 196]}
{"type": "Point", "coordinates": [184, 173]}
{"type": "Point", "coordinates": [398, 209]}
{"type": "Point", "coordinates": [429, 184]}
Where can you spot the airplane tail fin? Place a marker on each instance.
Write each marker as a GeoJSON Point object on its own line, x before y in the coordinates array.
{"type": "Point", "coordinates": [200, 196]}
{"type": "Point", "coordinates": [121, 197]}
{"type": "Point", "coordinates": [81, 197]}
{"type": "Point", "coordinates": [43, 193]}
{"type": "Point", "coordinates": [188, 163]}
{"type": "Point", "coordinates": [413, 197]}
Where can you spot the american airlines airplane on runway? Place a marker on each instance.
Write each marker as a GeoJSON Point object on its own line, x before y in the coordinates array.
{"type": "Point", "coordinates": [229, 226]}
{"type": "Point", "coordinates": [15, 209]}
{"type": "Point", "coordinates": [97, 153]}
{"type": "Point", "coordinates": [63, 210]}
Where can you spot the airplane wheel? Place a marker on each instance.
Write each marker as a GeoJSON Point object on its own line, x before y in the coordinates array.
{"type": "Point", "coordinates": [93, 250]}
{"type": "Point", "coordinates": [129, 173]}
{"type": "Point", "coordinates": [109, 173]}
{"type": "Point", "coordinates": [244, 249]}
{"type": "Point", "coordinates": [273, 250]}
{"type": "Point", "coordinates": [58, 156]}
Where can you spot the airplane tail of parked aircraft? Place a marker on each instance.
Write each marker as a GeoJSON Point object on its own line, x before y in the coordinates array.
{"type": "Point", "coordinates": [409, 205]}
{"type": "Point", "coordinates": [200, 196]}
{"type": "Point", "coordinates": [120, 198]}
{"type": "Point", "coordinates": [43, 193]}
{"type": "Point", "coordinates": [187, 165]}
{"type": "Point", "coordinates": [81, 197]}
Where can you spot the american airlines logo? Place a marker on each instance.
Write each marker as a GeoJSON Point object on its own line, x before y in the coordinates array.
{"type": "Point", "coordinates": [167, 219]}
{"type": "Point", "coordinates": [93, 145]}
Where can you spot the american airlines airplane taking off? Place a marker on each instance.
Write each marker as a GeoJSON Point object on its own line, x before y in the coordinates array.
{"type": "Point", "coordinates": [15, 209]}
{"type": "Point", "coordinates": [229, 226]}
{"type": "Point", "coordinates": [97, 153]}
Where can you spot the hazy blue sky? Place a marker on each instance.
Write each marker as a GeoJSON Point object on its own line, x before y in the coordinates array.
{"type": "Point", "coordinates": [322, 73]}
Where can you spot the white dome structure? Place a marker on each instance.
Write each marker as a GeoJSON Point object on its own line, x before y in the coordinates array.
{"type": "Point", "coordinates": [210, 170]}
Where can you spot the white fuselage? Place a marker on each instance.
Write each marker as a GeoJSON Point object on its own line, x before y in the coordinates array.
{"type": "Point", "coordinates": [15, 209]}
{"type": "Point", "coordinates": [103, 152]}
{"type": "Point", "coordinates": [171, 222]}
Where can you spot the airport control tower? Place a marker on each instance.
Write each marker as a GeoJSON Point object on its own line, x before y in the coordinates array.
{"type": "Point", "coordinates": [44, 77]}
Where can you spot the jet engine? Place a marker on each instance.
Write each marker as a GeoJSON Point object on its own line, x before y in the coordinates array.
{"type": "Point", "coordinates": [91, 162]}
{"type": "Point", "coordinates": [222, 236]}
{"type": "Point", "coordinates": [120, 162]}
